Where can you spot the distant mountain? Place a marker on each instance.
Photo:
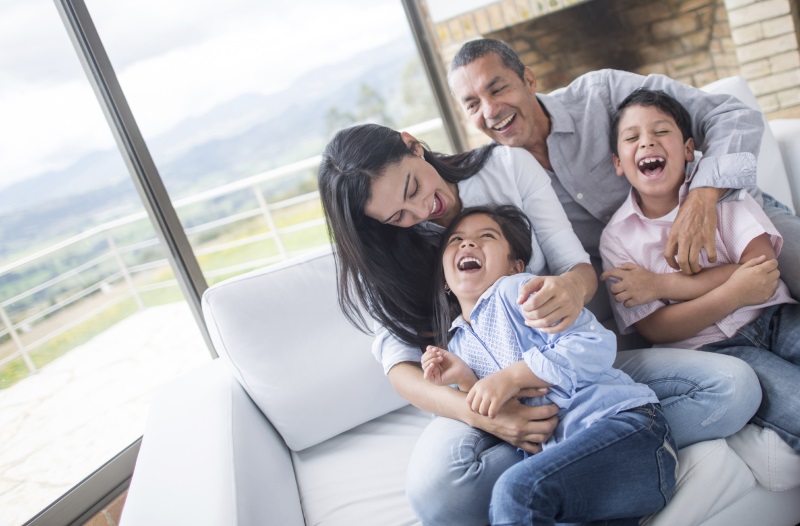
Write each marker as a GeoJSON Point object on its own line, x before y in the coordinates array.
{"type": "Point", "coordinates": [241, 137]}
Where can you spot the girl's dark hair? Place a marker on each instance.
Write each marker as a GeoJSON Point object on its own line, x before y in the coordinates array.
{"type": "Point", "coordinates": [516, 228]}
{"type": "Point", "coordinates": [657, 99]}
{"type": "Point", "coordinates": [380, 268]}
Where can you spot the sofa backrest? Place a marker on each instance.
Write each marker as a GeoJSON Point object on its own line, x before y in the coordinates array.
{"type": "Point", "coordinates": [772, 177]}
{"type": "Point", "coordinates": [306, 367]}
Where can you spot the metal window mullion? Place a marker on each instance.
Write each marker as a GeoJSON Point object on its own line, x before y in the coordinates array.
{"type": "Point", "coordinates": [130, 141]}
{"type": "Point", "coordinates": [434, 69]}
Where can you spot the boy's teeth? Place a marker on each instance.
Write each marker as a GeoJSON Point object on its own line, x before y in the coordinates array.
{"type": "Point", "coordinates": [650, 161]}
{"type": "Point", "coordinates": [504, 122]}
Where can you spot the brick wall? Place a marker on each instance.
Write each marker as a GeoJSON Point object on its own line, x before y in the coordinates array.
{"type": "Point", "coordinates": [694, 41]}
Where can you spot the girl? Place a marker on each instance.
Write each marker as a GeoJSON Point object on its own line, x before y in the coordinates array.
{"type": "Point", "coordinates": [612, 454]}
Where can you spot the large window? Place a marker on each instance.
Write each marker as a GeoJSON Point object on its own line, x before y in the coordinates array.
{"type": "Point", "coordinates": [234, 101]}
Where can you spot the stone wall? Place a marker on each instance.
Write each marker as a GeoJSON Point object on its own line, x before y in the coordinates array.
{"type": "Point", "coordinates": [694, 41]}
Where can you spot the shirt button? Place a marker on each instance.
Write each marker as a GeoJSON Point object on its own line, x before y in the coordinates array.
{"type": "Point", "coordinates": [591, 327]}
{"type": "Point", "coordinates": [580, 195]}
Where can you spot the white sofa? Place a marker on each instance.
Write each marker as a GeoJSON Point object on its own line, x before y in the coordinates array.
{"type": "Point", "coordinates": [295, 423]}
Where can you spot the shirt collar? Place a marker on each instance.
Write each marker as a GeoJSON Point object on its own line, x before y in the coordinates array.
{"type": "Point", "coordinates": [560, 119]}
{"type": "Point", "coordinates": [630, 207]}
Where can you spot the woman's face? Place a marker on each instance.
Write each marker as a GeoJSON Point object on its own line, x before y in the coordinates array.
{"type": "Point", "coordinates": [412, 191]}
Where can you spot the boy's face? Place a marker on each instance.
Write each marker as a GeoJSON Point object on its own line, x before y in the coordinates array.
{"type": "Point", "coordinates": [652, 152]}
{"type": "Point", "coordinates": [477, 254]}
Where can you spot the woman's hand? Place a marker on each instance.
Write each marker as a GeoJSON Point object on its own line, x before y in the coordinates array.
{"type": "Point", "coordinates": [442, 367]}
{"type": "Point", "coordinates": [520, 425]}
{"type": "Point", "coordinates": [551, 303]}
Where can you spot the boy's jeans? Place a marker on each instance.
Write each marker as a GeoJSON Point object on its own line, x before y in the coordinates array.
{"type": "Point", "coordinates": [453, 467]}
{"type": "Point", "coordinates": [770, 344]}
{"type": "Point", "coordinates": [623, 466]}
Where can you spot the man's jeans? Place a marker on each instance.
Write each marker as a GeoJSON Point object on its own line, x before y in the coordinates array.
{"type": "Point", "coordinates": [453, 467]}
{"type": "Point", "coordinates": [770, 344]}
{"type": "Point", "coordinates": [788, 225]}
{"type": "Point", "coordinates": [622, 466]}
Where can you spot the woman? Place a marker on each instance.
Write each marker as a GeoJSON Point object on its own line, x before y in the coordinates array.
{"type": "Point", "coordinates": [386, 200]}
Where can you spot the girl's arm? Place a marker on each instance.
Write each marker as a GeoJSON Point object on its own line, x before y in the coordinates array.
{"type": "Point", "coordinates": [753, 283]}
{"type": "Point", "coordinates": [520, 425]}
{"type": "Point", "coordinates": [488, 395]}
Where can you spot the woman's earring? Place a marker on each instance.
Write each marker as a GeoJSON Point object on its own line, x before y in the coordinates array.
{"type": "Point", "coordinates": [446, 288]}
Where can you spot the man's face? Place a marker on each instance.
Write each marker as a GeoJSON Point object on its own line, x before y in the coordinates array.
{"type": "Point", "coordinates": [496, 100]}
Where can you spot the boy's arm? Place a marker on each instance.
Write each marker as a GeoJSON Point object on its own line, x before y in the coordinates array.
{"type": "Point", "coordinates": [634, 285]}
{"type": "Point", "coordinates": [753, 283]}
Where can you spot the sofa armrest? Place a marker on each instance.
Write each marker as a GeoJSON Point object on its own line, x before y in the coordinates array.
{"type": "Point", "coordinates": [210, 457]}
{"type": "Point", "coordinates": [787, 133]}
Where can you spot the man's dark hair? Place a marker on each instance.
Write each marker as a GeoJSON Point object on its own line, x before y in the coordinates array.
{"type": "Point", "coordinates": [475, 49]}
{"type": "Point", "coordinates": [657, 99]}
{"type": "Point", "coordinates": [516, 228]}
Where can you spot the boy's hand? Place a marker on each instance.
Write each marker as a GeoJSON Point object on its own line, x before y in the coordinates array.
{"type": "Point", "coordinates": [694, 229]}
{"type": "Point", "coordinates": [489, 394]}
{"type": "Point", "coordinates": [634, 285]}
{"type": "Point", "coordinates": [755, 281]}
{"type": "Point", "coordinates": [442, 367]}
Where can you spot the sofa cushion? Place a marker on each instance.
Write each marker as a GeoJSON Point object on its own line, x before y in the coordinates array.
{"type": "Point", "coordinates": [772, 177]}
{"type": "Point", "coordinates": [773, 462]}
{"type": "Point", "coordinates": [310, 371]}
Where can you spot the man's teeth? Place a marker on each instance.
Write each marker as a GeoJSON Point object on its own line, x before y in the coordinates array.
{"type": "Point", "coordinates": [469, 263]}
{"type": "Point", "coordinates": [433, 208]}
{"type": "Point", "coordinates": [504, 122]}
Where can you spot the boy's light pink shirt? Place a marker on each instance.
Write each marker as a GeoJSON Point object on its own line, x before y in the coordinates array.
{"type": "Point", "coordinates": [632, 237]}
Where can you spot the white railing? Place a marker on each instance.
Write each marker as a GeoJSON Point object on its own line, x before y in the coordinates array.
{"type": "Point", "coordinates": [126, 274]}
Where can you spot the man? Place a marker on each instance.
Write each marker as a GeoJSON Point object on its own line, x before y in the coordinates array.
{"type": "Point", "coordinates": [567, 131]}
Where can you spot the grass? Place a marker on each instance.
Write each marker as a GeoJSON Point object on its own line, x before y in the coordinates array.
{"type": "Point", "coordinates": [294, 242]}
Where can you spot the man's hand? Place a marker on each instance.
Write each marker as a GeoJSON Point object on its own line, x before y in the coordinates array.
{"type": "Point", "coordinates": [551, 303]}
{"type": "Point", "coordinates": [693, 230]}
{"type": "Point", "coordinates": [634, 285]}
{"type": "Point", "coordinates": [520, 425]}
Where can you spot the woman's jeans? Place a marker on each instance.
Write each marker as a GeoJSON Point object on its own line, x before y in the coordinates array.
{"type": "Point", "coordinates": [454, 467]}
{"type": "Point", "coordinates": [770, 344]}
{"type": "Point", "coordinates": [622, 466]}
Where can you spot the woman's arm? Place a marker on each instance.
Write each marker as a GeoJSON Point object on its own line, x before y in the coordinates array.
{"type": "Point", "coordinates": [553, 303]}
{"type": "Point", "coordinates": [520, 425]}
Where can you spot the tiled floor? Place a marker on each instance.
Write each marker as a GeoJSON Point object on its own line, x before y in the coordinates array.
{"type": "Point", "coordinates": [60, 424]}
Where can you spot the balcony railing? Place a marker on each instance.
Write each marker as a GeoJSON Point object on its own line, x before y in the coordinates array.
{"type": "Point", "coordinates": [123, 273]}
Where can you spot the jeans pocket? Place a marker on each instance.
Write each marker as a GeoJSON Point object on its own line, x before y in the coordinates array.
{"type": "Point", "coordinates": [667, 458]}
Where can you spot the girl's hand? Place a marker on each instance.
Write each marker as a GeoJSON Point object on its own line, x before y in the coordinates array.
{"type": "Point", "coordinates": [442, 367]}
{"type": "Point", "coordinates": [489, 394]}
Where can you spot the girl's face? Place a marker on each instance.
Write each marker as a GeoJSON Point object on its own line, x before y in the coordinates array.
{"type": "Point", "coordinates": [412, 191]}
{"type": "Point", "coordinates": [476, 255]}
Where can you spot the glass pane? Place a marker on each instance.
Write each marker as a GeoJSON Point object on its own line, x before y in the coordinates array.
{"type": "Point", "coordinates": [236, 104]}
{"type": "Point", "coordinates": [91, 319]}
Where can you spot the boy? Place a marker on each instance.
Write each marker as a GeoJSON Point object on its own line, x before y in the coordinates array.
{"type": "Point", "coordinates": [739, 307]}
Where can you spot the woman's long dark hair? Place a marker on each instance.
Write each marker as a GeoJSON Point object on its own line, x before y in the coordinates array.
{"type": "Point", "coordinates": [384, 269]}
{"type": "Point", "coordinates": [516, 228]}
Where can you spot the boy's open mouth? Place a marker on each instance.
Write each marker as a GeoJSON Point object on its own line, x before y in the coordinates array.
{"type": "Point", "coordinates": [652, 166]}
{"type": "Point", "coordinates": [469, 263]}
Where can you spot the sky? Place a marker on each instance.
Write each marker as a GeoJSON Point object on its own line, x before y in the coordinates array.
{"type": "Point", "coordinates": [174, 59]}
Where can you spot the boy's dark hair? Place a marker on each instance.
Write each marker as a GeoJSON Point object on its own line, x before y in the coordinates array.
{"type": "Point", "coordinates": [475, 49]}
{"type": "Point", "coordinates": [657, 99]}
{"type": "Point", "coordinates": [516, 228]}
